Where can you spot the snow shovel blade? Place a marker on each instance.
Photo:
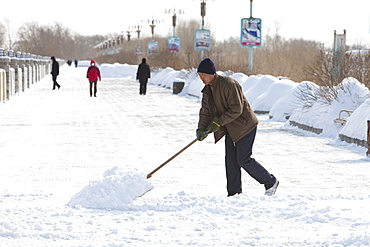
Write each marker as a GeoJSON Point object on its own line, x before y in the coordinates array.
{"type": "Point", "coordinates": [174, 156]}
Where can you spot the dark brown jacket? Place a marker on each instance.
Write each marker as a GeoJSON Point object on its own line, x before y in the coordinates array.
{"type": "Point", "coordinates": [225, 99]}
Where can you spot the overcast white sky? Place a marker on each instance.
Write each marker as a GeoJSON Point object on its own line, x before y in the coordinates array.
{"type": "Point", "coordinates": [308, 19]}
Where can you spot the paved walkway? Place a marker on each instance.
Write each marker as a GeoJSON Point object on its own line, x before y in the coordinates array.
{"type": "Point", "coordinates": [71, 137]}
{"type": "Point", "coordinates": [53, 143]}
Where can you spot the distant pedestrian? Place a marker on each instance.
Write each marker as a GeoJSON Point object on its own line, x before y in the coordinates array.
{"type": "Point", "coordinates": [76, 63]}
{"type": "Point", "coordinates": [93, 74]}
{"type": "Point", "coordinates": [55, 72]}
{"type": "Point", "coordinates": [143, 73]}
{"type": "Point", "coordinates": [225, 111]}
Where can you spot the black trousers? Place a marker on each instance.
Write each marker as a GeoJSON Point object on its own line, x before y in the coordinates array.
{"type": "Point", "coordinates": [95, 87]}
{"type": "Point", "coordinates": [238, 155]}
{"type": "Point", "coordinates": [55, 83]}
{"type": "Point", "coordinates": [143, 83]}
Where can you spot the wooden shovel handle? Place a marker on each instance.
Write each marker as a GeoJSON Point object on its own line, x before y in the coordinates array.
{"type": "Point", "coordinates": [174, 156]}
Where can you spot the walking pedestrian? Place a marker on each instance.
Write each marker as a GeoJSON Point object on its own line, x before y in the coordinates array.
{"type": "Point", "coordinates": [55, 72]}
{"type": "Point", "coordinates": [143, 73]}
{"type": "Point", "coordinates": [225, 111]}
{"type": "Point", "coordinates": [93, 74]}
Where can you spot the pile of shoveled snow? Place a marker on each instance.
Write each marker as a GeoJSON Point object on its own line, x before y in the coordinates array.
{"type": "Point", "coordinates": [114, 191]}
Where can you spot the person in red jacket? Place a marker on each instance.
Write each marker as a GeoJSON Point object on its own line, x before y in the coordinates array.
{"type": "Point", "coordinates": [93, 74]}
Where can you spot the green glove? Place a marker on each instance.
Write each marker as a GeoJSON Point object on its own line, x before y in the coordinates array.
{"type": "Point", "coordinates": [214, 126]}
{"type": "Point", "coordinates": [201, 134]}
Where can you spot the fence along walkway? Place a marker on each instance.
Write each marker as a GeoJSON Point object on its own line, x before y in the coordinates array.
{"type": "Point", "coordinates": [18, 71]}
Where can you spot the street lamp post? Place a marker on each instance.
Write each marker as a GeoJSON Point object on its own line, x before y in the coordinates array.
{"type": "Point", "coordinates": [174, 12]}
{"type": "Point", "coordinates": [138, 30]}
{"type": "Point", "coordinates": [128, 32]}
{"type": "Point", "coordinates": [203, 11]}
{"type": "Point", "coordinates": [128, 36]}
{"type": "Point", "coordinates": [138, 51]}
{"type": "Point", "coordinates": [152, 24]}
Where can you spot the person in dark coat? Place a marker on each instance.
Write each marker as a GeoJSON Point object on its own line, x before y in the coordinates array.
{"type": "Point", "coordinates": [143, 73]}
{"type": "Point", "coordinates": [93, 74]}
{"type": "Point", "coordinates": [225, 111]}
{"type": "Point", "coordinates": [55, 72]}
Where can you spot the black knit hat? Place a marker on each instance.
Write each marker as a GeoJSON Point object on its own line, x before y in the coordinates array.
{"type": "Point", "coordinates": [207, 67]}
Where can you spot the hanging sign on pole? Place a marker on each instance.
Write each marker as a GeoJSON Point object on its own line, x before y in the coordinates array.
{"type": "Point", "coordinates": [174, 44]}
{"type": "Point", "coordinates": [251, 32]}
{"type": "Point", "coordinates": [138, 50]}
{"type": "Point", "coordinates": [202, 40]}
{"type": "Point", "coordinates": [152, 48]}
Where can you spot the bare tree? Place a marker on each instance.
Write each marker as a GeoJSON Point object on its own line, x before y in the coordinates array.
{"type": "Point", "coordinates": [189, 56]}
{"type": "Point", "coordinates": [55, 40]}
{"type": "Point", "coordinates": [357, 64]}
{"type": "Point", "coordinates": [2, 35]}
{"type": "Point", "coordinates": [10, 35]}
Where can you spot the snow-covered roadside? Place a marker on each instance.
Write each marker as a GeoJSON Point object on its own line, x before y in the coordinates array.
{"type": "Point", "coordinates": [54, 143]}
{"type": "Point", "coordinates": [283, 99]}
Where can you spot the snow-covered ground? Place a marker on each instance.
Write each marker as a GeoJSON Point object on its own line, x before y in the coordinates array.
{"type": "Point", "coordinates": [66, 161]}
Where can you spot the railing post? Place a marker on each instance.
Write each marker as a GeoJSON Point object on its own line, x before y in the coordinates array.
{"type": "Point", "coordinates": [2, 76]}
{"type": "Point", "coordinates": [4, 64]}
{"type": "Point", "coordinates": [17, 87]}
{"type": "Point", "coordinates": [23, 67]}
{"type": "Point", "coordinates": [368, 138]}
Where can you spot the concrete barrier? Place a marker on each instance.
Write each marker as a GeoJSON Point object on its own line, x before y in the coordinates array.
{"type": "Point", "coordinates": [18, 71]}
{"type": "Point", "coordinates": [306, 127]}
{"type": "Point", "coordinates": [2, 85]}
{"type": "Point", "coordinates": [23, 67]}
{"type": "Point", "coordinates": [28, 64]}
{"type": "Point", "coordinates": [32, 68]}
{"type": "Point", "coordinates": [14, 64]}
{"type": "Point", "coordinates": [10, 77]}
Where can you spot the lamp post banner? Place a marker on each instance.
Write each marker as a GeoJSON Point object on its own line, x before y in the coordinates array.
{"type": "Point", "coordinates": [202, 40]}
{"type": "Point", "coordinates": [174, 44]}
{"type": "Point", "coordinates": [152, 48]}
{"type": "Point", "coordinates": [138, 50]}
{"type": "Point", "coordinates": [251, 32]}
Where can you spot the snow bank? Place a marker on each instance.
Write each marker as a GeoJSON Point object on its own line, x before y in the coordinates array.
{"type": "Point", "coordinates": [193, 84]}
{"type": "Point", "coordinates": [266, 100]}
{"type": "Point", "coordinates": [350, 94]}
{"type": "Point", "coordinates": [250, 82]}
{"type": "Point", "coordinates": [283, 99]}
{"type": "Point", "coordinates": [356, 126]}
{"type": "Point", "coordinates": [239, 77]}
{"type": "Point", "coordinates": [259, 88]}
{"type": "Point", "coordinates": [114, 191]}
{"type": "Point", "coordinates": [293, 99]}
{"type": "Point", "coordinates": [118, 71]}
{"type": "Point", "coordinates": [84, 63]}
{"type": "Point", "coordinates": [160, 78]}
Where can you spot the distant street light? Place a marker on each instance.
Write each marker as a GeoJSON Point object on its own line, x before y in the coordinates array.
{"type": "Point", "coordinates": [203, 11]}
{"type": "Point", "coordinates": [174, 17]}
{"type": "Point", "coordinates": [128, 32]}
{"type": "Point", "coordinates": [138, 50]}
{"type": "Point", "coordinates": [138, 28]}
{"type": "Point", "coordinates": [128, 36]}
{"type": "Point", "coordinates": [203, 14]}
{"type": "Point", "coordinates": [153, 25]}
